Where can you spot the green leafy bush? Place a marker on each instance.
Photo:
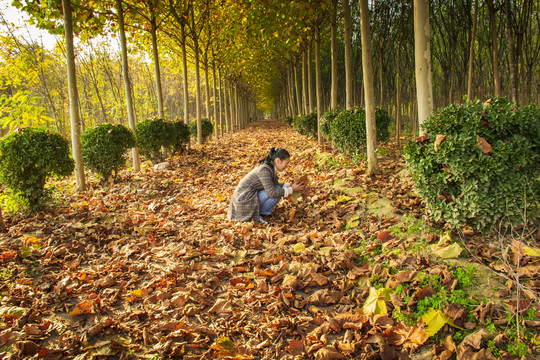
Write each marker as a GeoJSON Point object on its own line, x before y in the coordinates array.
{"type": "Point", "coordinates": [326, 121]}
{"type": "Point", "coordinates": [152, 134]}
{"type": "Point", "coordinates": [289, 120]}
{"type": "Point", "coordinates": [348, 130]}
{"type": "Point", "coordinates": [306, 124]}
{"type": "Point", "coordinates": [28, 157]}
{"type": "Point", "coordinates": [207, 128]}
{"type": "Point", "coordinates": [179, 136]}
{"type": "Point", "coordinates": [479, 164]}
{"type": "Point", "coordinates": [104, 146]}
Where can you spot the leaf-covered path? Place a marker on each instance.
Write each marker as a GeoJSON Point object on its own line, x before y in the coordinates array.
{"type": "Point", "coordinates": [150, 267]}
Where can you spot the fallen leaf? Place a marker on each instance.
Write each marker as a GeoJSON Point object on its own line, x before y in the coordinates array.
{"type": "Point", "coordinates": [438, 141]}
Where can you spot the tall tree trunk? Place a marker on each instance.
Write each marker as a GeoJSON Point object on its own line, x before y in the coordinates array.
{"type": "Point", "coordinates": [371, 129]}
{"type": "Point", "coordinates": [73, 98]}
{"type": "Point", "coordinates": [348, 56]}
{"type": "Point", "coordinates": [290, 89]}
{"type": "Point", "coordinates": [127, 84]}
{"type": "Point", "coordinates": [184, 73]}
{"type": "Point", "coordinates": [398, 90]}
{"type": "Point", "coordinates": [471, 53]}
{"type": "Point", "coordinates": [381, 77]}
{"type": "Point", "coordinates": [318, 80]}
{"type": "Point", "coordinates": [452, 72]}
{"type": "Point", "coordinates": [214, 96]}
{"type": "Point", "coordinates": [493, 26]}
{"type": "Point", "coordinates": [304, 81]}
{"type": "Point", "coordinates": [297, 88]}
{"type": "Point", "coordinates": [512, 53]}
{"type": "Point", "coordinates": [159, 91]}
{"type": "Point", "coordinates": [310, 84]}
{"type": "Point", "coordinates": [207, 85]}
{"type": "Point", "coordinates": [236, 108]}
{"type": "Point", "coordinates": [221, 125]}
{"type": "Point", "coordinates": [231, 108]}
{"type": "Point", "coordinates": [422, 56]}
{"type": "Point", "coordinates": [198, 92]}
{"type": "Point", "coordinates": [333, 45]}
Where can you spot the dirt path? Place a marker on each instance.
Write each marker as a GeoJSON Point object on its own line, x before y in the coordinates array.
{"type": "Point", "coordinates": [150, 267]}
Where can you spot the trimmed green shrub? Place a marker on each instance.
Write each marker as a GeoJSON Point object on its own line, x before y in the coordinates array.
{"type": "Point", "coordinates": [180, 136]}
{"type": "Point", "coordinates": [151, 136]}
{"type": "Point", "coordinates": [104, 146]}
{"type": "Point", "coordinates": [289, 120]}
{"type": "Point", "coordinates": [348, 130]}
{"type": "Point", "coordinates": [479, 164]}
{"type": "Point", "coordinates": [326, 121]}
{"type": "Point", "coordinates": [207, 128]}
{"type": "Point", "coordinates": [28, 157]}
{"type": "Point", "coordinates": [306, 124]}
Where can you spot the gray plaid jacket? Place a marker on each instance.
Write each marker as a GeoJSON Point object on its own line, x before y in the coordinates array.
{"type": "Point", "coordinates": [245, 201]}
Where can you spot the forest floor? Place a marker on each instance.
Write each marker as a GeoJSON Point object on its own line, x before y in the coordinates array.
{"type": "Point", "coordinates": [150, 267]}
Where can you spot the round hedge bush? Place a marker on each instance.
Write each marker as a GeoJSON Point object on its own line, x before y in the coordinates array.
{"type": "Point", "coordinates": [348, 130]}
{"type": "Point", "coordinates": [207, 128]}
{"type": "Point", "coordinates": [326, 121]}
{"type": "Point", "coordinates": [152, 134]}
{"type": "Point", "coordinates": [28, 157]}
{"type": "Point", "coordinates": [104, 146]}
{"type": "Point", "coordinates": [479, 164]}
{"type": "Point", "coordinates": [180, 136]}
{"type": "Point", "coordinates": [306, 124]}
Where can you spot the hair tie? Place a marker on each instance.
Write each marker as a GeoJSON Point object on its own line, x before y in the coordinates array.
{"type": "Point", "coordinates": [275, 149]}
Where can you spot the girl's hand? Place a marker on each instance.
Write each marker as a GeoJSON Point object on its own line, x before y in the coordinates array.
{"type": "Point", "coordinates": [298, 187]}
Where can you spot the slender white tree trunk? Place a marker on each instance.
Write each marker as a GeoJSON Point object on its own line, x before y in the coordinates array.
{"type": "Point", "coordinates": [310, 85]}
{"type": "Point", "coordinates": [127, 83]}
{"type": "Point", "coordinates": [159, 92]}
{"type": "Point", "coordinates": [348, 55]}
{"type": "Point", "coordinates": [471, 53]}
{"type": "Point", "coordinates": [371, 128]}
{"type": "Point", "coordinates": [333, 45]}
{"type": "Point", "coordinates": [73, 98]}
{"type": "Point", "coordinates": [422, 56]}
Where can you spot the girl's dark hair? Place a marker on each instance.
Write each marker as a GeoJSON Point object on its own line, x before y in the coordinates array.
{"type": "Point", "coordinates": [275, 153]}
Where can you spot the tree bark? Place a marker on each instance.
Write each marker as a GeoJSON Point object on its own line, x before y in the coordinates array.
{"type": "Point", "coordinates": [221, 107]}
{"type": "Point", "coordinates": [318, 80]}
{"type": "Point", "coordinates": [422, 55]}
{"type": "Point", "coordinates": [493, 26]}
{"type": "Point", "coordinates": [216, 130]}
{"type": "Point", "coordinates": [73, 98]}
{"type": "Point", "coordinates": [297, 88]}
{"type": "Point", "coordinates": [512, 53]}
{"type": "Point", "coordinates": [127, 84]}
{"type": "Point", "coordinates": [371, 130]}
{"type": "Point", "coordinates": [348, 56]}
{"type": "Point", "coordinates": [333, 46]}
{"type": "Point", "coordinates": [207, 85]}
{"type": "Point", "coordinates": [310, 83]}
{"type": "Point", "coordinates": [398, 90]}
{"type": "Point", "coordinates": [471, 53]}
{"type": "Point", "coordinates": [159, 91]}
{"type": "Point", "coordinates": [304, 82]}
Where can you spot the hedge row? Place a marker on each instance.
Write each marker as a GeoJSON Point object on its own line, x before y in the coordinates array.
{"type": "Point", "coordinates": [31, 155]}
{"type": "Point", "coordinates": [346, 130]}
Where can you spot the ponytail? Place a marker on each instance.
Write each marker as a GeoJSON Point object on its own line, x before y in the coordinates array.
{"type": "Point", "coordinates": [275, 153]}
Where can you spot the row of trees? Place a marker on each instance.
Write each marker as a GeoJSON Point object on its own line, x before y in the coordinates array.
{"type": "Point", "coordinates": [227, 58]}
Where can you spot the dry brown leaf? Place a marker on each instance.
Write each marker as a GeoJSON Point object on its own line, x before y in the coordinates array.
{"type": "Point", "coordinates": [438, 141]}
{"type": "Point", "coordinates": [328, 353]}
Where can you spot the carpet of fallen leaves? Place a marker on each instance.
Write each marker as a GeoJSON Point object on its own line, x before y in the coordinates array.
{"type": "Point", "coordinates": [151, 268]}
